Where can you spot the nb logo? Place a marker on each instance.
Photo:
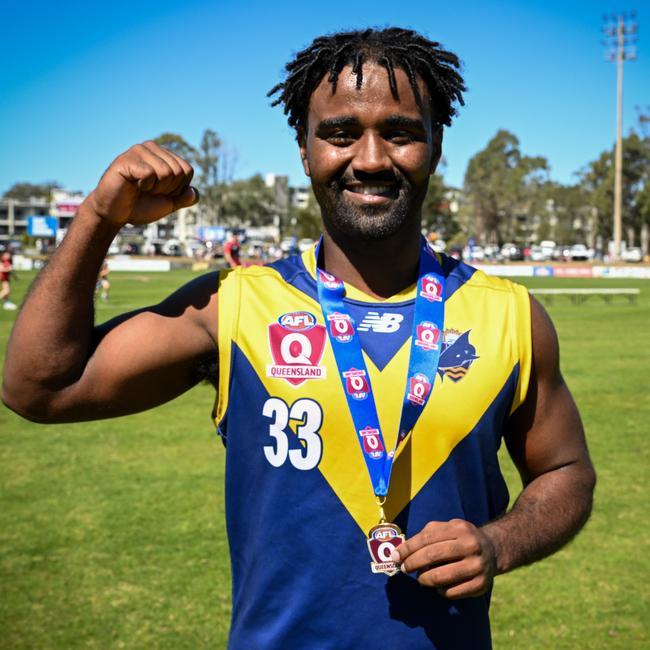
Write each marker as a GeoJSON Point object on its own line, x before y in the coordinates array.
{"type": "Point", "coordinates": [387, 323]}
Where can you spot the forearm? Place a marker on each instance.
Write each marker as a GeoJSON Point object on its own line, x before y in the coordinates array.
{"type": "Point", "coordinates": [52, 337]}
{"type": "Point", "coordinates": [549, 512]}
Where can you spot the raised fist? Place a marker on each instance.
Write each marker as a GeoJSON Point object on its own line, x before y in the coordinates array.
{"type": "Point", "coordinates": [144, 184]}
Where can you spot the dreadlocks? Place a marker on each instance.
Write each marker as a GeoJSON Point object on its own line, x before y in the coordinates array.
{"type": "Point", "coordinates": [392, 48]}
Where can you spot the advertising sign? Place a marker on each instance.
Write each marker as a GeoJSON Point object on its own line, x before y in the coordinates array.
{"type": "Point", "coordinates": [42, 226]}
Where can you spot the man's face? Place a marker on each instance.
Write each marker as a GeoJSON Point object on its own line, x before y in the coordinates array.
{"type": "Point", "coordinates": [369, 155]}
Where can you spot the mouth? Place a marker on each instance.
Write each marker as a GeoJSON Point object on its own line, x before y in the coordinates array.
{"type": "Point", "coordinates": [371, 193]}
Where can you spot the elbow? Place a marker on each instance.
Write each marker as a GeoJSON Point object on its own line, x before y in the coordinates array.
{"type": "Point", "coordinates": [26, 403]}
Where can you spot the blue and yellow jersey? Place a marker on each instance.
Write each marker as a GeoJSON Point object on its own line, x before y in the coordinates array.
{"type": "Point", "coordinates": [299, 502]}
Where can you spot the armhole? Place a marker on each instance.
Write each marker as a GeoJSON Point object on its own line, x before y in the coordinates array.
{"type": "Point", "coordinates": [524, 342]}
{"type": "Point", "coordinates": [228, 317]}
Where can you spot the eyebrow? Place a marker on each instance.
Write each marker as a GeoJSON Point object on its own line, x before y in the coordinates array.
{"type": "Point", "coordinates": [392, 121]}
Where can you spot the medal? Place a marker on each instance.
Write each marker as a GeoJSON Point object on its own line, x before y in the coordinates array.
{"type": "Point", "coordinates": [428, 322]}
{"type": "Point", "coordinates": [383, 539]}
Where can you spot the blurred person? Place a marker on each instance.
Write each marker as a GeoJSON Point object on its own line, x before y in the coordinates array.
{"type": "Point", "coordinates": [231, 250]}
{"type": "Point", "coordinates": [103, 285]}
{"type": "Point", "coordinates": [363, 388]}
{"type": "Point", "coordinates": [6, 271]}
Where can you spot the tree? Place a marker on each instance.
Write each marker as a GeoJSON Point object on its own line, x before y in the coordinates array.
{"type": "Point", "coordinates": [597, 180]}
{"type": "Point", "coordinates": [247, 202]}
{"type": "Point", "coordinates": [502, 184]}
{"type": "Point", "coordinates": [207, 161]}
{"type": "Point", "coordinates": [437, 215]}
{"type": "Point", "coordinates": [308, 219]}
{"type": "Point", "coordinates": [27, 191]}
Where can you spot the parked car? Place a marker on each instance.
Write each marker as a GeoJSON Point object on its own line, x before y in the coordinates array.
{"type": "Point", "coordinates": [632, 254]}
{"type": "Point", "coordinates": [537, 254]}
{"type": "Point", "coordinates": [512, 252]}
{"type": "Point", "coordinates": [579, 252]}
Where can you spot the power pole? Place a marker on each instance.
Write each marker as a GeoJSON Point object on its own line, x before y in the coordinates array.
{"type": "Point", "coordinates": [620, 33]}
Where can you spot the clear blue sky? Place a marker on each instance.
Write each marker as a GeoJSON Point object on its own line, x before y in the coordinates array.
{"type": "Point", "coordinates": [81, 81]}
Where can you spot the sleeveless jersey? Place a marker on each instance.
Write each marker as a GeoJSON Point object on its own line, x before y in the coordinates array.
{"type": "Point", "coordinates": [299, 502]}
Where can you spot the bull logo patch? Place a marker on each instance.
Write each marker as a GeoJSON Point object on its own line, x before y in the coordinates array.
{"type": "Point", "coordinates": [297, 345]}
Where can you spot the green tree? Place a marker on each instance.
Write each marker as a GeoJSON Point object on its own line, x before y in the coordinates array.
{"type": "Point", "coordinates": [502, 185]}
{"type": "Point", "coordinates": [597, 181]}
{"type": "Point", "coordinates": [207, 162]}
{"type": "Point", "coordinates": [436, 210]}
{"type": "Point", "coordinates": [247, 202]}
{"type": "Point", "coordinates": [308, 219]}
{"type": "Point", "coordinates": [27, 191]}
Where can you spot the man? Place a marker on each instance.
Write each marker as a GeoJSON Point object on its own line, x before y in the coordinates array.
{"type": "Point", "coordinates": [367, 355]}
{"type": "Point", "coordinates": [231, 250]}
{"type": "Point", "coordinates": [103, 284]}
{"type": "Point", "coordinates": [6, 270]}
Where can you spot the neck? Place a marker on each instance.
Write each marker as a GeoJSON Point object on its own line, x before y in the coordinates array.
{"type": "Point", "coordinates": [380, 269]}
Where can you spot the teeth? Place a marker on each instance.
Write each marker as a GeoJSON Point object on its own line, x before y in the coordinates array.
{"type": "Point", "coordinates": [375, 190]}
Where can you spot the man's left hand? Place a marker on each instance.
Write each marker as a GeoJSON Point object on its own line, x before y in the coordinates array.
{"type": "Point", "coordinates": [455, 557]}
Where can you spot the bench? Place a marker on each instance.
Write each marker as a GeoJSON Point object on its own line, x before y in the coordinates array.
{"type": "Point", "coordinates": [578, 296]}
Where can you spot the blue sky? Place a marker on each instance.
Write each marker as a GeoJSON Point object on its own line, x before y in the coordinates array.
{"type": "Point", "coordinates": [82, 81]}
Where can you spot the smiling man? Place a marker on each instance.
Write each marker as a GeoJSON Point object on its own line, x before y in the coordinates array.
{"type": "Point", "coordinates": [363, 388]}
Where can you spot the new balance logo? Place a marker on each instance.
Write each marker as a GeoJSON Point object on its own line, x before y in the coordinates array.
{"type": "Point", "coordinates": [385, 324]}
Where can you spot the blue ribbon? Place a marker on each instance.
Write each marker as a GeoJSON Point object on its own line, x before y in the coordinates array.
{"type": "Point", "coordinates": [426, 343]}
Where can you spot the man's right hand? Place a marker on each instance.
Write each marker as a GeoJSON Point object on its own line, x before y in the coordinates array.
{"type": "Point", "coordinates": [142, 185]}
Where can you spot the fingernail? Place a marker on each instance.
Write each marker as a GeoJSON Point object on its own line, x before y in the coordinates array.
{"type": "Point", "coordinates": [394, 556]}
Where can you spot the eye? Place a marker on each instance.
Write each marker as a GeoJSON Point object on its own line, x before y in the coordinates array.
{"type": "Point", "coordinates": [400, 137]}
{"type": "Point", "coordinates": [340, 138]}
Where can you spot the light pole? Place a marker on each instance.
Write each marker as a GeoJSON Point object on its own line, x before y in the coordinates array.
{"type": "Point", "coordinates": [620, 41]}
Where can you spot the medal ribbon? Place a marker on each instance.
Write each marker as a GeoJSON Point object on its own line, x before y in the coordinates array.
{"type": "Point", "coordinates": [426, 341]}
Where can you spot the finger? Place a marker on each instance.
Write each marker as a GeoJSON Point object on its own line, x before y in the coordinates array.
{"type": "Point", "coordinates": [189, 197]}
{"type": "Point", "coordinates": [451, 574]}
{"type": "Point", "coordinates": [434, 554]}
{"type": "Point", "coordinates": [470, 589]}
{"type": "Point", "coordinates": [178, 184]}
{"type": "Point", "coordinates": [165, 176]}
{"type": "Point", "coordinates": [433, 533]}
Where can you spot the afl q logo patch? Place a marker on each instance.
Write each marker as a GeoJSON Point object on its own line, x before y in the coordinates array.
{"type": "Point", "coordinates": [341, 327]}
{"type": "Point", "coordinates": [382, 541]}
{"type": "Point", "coordinates": [431, 289]}
{"type": "Point", "coordinates": [297, 344]}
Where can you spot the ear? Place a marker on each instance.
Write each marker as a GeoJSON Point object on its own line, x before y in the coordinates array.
{"type": "Point", "coordinates": [302, 144]}
{"type": "Point", "coordinates": [436, 149]}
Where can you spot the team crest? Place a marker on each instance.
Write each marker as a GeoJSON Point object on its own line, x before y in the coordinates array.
{"type": "Point", "coordinates": [431, 288]}
{"type": "Point", "coordinates": [297, 345]}
{"type": "Point", "coordinates": [372, 443]}
{"type": "Point", "coordinates": [356, 384]}
{"type": "Point", "coordinates": [341, 327]}
{"type": "Point", "coordinates": [427, 335]}
{"type": "Point", "coordinates": [457, 355]}
{"type": "Point", "coordinates": [419, 389]}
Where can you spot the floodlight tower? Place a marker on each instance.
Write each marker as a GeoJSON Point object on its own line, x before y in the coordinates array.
{"type": "Point", "coordinates": [620, 32]}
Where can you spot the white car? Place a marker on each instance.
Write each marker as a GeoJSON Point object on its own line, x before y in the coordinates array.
{"type": "Point", "coordinates": [633, 254]}
{"type": "Point", "coordinates": [580, 252]}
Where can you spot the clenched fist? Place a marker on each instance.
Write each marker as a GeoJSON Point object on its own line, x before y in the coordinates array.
{"type": "Point", "coordinates": [142, 185]}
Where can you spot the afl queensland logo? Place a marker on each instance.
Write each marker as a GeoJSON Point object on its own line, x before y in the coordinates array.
{"type": "Point", "coordinates": [372, 444]}
{"type": "Point", "coordinates": [431, 288]}
{"type": "Point", "coordinates": [341, 327]}
{"type": "Point", "coordinates": [297, 344]}
{"type": "Point", "coordinates": [427, 336]}
{"type": "Point", "coordinates": [356, 384]}
{"type": "Point", "coordinates": [419, 389]}
{"type": "Point", "coordinates": [329, 280]}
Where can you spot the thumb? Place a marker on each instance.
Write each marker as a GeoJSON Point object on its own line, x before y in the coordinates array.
{"type": "Point", "coordinates": [189, 197]}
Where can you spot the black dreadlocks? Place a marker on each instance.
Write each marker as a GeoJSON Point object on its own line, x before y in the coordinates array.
{"type": "Point", "coordinates": [392, 48]}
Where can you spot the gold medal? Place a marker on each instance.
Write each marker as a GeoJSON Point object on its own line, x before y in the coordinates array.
{"type": "Point", "coordinates": [382, 540]}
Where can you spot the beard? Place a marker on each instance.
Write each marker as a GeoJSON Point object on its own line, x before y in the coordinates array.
{"type": "Point", "coordinates": [369, 222]}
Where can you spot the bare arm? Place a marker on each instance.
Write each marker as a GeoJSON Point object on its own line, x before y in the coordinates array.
{"type": "Point", "coordinates": [58, 366]}
{"type": "Point", "coordinates": [546, 441]}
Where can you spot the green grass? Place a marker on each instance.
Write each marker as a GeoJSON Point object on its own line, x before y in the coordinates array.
{"type": "Point", "coordinates": [112, 533]}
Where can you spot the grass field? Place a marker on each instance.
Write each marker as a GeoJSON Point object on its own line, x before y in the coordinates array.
{"type": "Point", "coordinates": [112, 533]}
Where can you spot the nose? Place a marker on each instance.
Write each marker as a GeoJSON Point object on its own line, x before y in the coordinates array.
{"type": "Point", "coordinates": [371, 155]}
